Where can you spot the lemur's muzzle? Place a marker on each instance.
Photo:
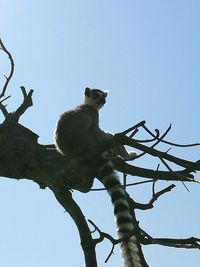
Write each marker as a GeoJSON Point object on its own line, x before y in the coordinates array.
{"type": "Point", "coordinates": [102, 101]}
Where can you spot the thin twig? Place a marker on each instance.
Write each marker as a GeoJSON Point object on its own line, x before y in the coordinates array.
{"type": "Point", "coordinates": [158, 139]}
{"type": "Point", "coordinates": [168, 142]}
{"type": "Point", "coordinates": [133, 133]}
{"type": "Point", "coordinates": [3, 109]}
{"type": "Point", "coordinates": [103, 235]}
{"type": "Point", "coordinates": [154, 182]}
{"type": "Point", "coordinates": [5, 99]}
{"type": "Point", "coordinates": [140, 124]}
{"type": "Point", "coordinates": [2, 46]}
{"type": "Point", "coordinates": [160, 193]}
{"type": "Point", "coordinates": [171, 171]}
{"type": "Point", "coordinates": [136, 205]}
{"type": "Point", "coordinates": [131, 184]}
{"type": "Point", "coordinates": [113, 241]}
{"type": "Point", "coordinates": [110, 254]}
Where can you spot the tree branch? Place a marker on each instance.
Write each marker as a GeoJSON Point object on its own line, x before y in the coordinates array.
{"type": "Point", "coordinates": [167, 142]}
{"type": "Point", "coordinates": [64, 197]}
{"type": "Point", "coordinates": [26, 103]}
{"type": "Point", "coordinates": [114, 242]}
{"type": "Point", "coordinates": [136, 205]}
{"type": "Point", "coordinates": [2, 46]}
{"type": "Point", "coordinates": [120, 139]}
{"type": "Point", "coordinates": [102, 236]}
{"type": "Point", "coordinates": [182, 175]}
{"type": "Point", "coordinates": [3, 107]}
{"type": "Point", "coordinates": [189, 243]}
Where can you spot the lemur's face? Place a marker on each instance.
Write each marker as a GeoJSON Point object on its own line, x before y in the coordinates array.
{"type": "Point", "coordinates": [95, 97]}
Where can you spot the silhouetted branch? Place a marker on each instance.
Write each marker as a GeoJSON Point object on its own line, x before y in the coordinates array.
{"type": "Point", "coordinates": [127, 185]}
{"type": "Point", "coordinates": [3, 107]}
{"type": "Point", "coordinates": [64, 197]}
{"type": "Point", "coordinates": [167, 142]}
{"type": "Point", "coordinates": [159, 139]}
{"type": "Point", "coordinates": [26, 103]}
{"type": "Point", "coordinates": [120, 139]}
{"type": "Point", "coordinates": [103, 235]}
{"type": "Point", "coordinates": [140, 124]}
{"type": "Point", "coordinates": [2, 46]}
{"type": "Point", "coordinates": [182, 175]}
{"type": "Point", "coordinates": [155, 137]}
{"type": "Point", "coordinates": [188, 243]}
{"type": "Point", "coordinates": [136, 205]}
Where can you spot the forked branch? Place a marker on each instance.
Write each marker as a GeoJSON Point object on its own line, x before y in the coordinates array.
{"type": "Point", "coordinates": [27, 102]}
{"type": "Point", "coordinates": [103, 235]}
{"type": "Point", "coordinates": [136, 205]}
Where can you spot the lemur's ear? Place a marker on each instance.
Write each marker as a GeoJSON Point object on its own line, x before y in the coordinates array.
{"type": "Point", "coordinates": [105, 93]}
{"type": "Point", "coordinates": [87, 92]}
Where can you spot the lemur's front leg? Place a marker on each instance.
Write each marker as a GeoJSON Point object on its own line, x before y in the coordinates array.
{"type": "Point", "coordinates": [121, 150]}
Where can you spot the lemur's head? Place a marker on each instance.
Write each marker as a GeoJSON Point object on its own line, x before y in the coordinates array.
{"type": "Point", "coordinates": [95, 97]}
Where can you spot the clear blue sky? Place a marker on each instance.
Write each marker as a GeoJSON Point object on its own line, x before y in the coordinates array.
{"type": "Point", "coordinates": [146, 53]}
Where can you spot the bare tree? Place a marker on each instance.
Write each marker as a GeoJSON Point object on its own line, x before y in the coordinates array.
{"type": "Point", "coordinates": [22, 157]}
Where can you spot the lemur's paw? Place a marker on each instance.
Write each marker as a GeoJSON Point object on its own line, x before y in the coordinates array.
{"type": "Point", "coordinates": [132, 155]}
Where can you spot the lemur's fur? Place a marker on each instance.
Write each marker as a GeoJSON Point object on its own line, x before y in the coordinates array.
{"type": "Point", "coordinates": [77, 135]}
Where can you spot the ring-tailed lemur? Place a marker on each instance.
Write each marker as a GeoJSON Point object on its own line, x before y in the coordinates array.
{"type": "Point", "coordinates": [78, 134]}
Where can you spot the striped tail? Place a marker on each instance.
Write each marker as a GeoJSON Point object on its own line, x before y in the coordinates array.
{"type": "Point", "coordinates": [124, 220]}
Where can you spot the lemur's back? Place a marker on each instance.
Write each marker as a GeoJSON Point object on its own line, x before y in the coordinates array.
{"type": "Point", "coordinates": [77, 130]}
